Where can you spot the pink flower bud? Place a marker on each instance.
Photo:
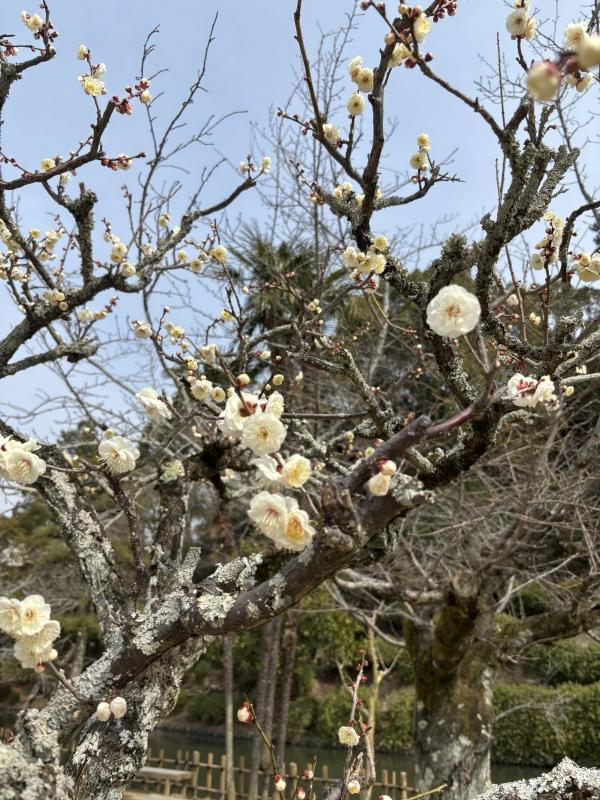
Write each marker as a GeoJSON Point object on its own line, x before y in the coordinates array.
{"type": "Point", "coordinates": [280, 783]}
{"type": "Point", "coordinates": [244, 714]}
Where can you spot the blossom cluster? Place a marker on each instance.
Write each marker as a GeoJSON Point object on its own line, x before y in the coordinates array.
{"type": "Point", "coordinates": [246, 167]}
{"type": "Point", "coordinates": [519, 23]}
{"type": "Point", "coordinates": [420, 159]}
{"type": "Point", "coordinates": [372, 263]}
{"type": "Point", "coordinates": [549, 246]}
{"type": "Point", "coordinates": [28, 622]}
{"type": "Point", "coordinates": [545, 77]}
{"type": "Point", "coordinates": [379, 484]}
{"type": "Point", "coordinates": [587, 266]}
{"type": "Point", "coordinates": [19, 462]}
{"type": "Point", "coordinates": [528, 392]}
{"type": "Point", "coordinates": [281, 520]}
{"type": "Point", "coordinates": [255, 421]}
{"type": "Point", "coordinates": [345, 191]}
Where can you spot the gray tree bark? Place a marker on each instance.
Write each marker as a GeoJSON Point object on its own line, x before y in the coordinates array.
{"type": "Point", "coordinates": [290, 640]}
{"type": "Point", "coordinates": [566, 781]}
{"type": "Point", "coordinates": [453, 718]}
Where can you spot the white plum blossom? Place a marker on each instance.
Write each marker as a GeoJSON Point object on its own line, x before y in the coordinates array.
{"type": "Point", "coordinates": [453, 311]}
{"type": "Point", "coordinates": [34, 614]}
{"type": "Point", "coordinates": [268, 469]}
{"type": "Point", "coordinates": [281, 519]}
{"type": "Point", "coordinates": [141, 329]}
{"type": "Point", "coordinates": [155, 406]}
{"type": "Point", "coordinates": [33, 21]}
{"type": "Point", "coordinates": [588, 53]}
{"type": "Point", "coordinates": [519, 23]}
{"type": "Point", "coordinates": [202, 389]}
{"type": "Point", "coordinates": [237, 410]}
{"type": "Point", "coordinates": [31, 655]}
{"type": "Point", "coordinates": [348, 736]}
{"type": "Point", "coordinates": [92, 85]}
{"type": "Point", "coordinates": [353, 786]}
{"type": "Point", "coordinates": [298, 531]}
{"type": "Point", "coordinates": [354, 67]}
{"type": "Point", "coordinates": [365, 79]}
{"type": "Point", "coordinates": [543, 80]}
{"type": "Point", "coordinates": [220, 254]}
{"type": "Point", "coordinates": [118, 454]}
{"type": "Point", "coordinates": [379, 484]}
{"type": "Point", "coordinates": [10, 615]}
{"type": "Point", "coordinates": [240, 408]}
{"type": "Point", "coordinates": [581, 84]}
{"type": "Point", "coordinates": [421, 27]}
{"type": "Point", "coordinates": [355, 104]}
{"type": "Point", "coordinates": [208, 353]}
{"type": "Point", "coordinates": [331, 133]}
{"type": "Point", "coordinates": [528, 392]}
{"type": "Point", "coordinates": [268, 511]}
{"type": "Point", "coordinates": [588, 266]}
{"type": "Point", "coordinates": [296, 471]}
{"type": "Point", "coordinates": [263, 434]}
{"type": "Point", "coordinates": [399, 54]}
{"type": "Point", "coordinates": [18, 461]}
{"type": "Point", "coordinates": [575, 35]}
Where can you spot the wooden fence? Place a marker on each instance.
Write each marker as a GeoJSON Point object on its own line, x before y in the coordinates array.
{"type": "Point", "coordinates": [208, 777]}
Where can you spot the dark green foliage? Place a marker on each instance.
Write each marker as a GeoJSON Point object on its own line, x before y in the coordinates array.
{"type": "Point", "coordinates": [533, 599]}
{"type": "Point", "coordinates": [547, 724]}
{"type": "Point", "coordinates": [395, 721]}
{"type": "Point", "coordinates": [302, 714]}
{"type": "Point", "coordinates": [209, 709]}
{"type": "Point", "coordinates": [334, 711]}
{"type": "Point", "coordinates": [567, 661]}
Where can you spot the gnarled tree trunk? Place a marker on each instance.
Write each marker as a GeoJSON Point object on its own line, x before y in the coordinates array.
{"type": "Point", "coordinates": [453, 711]}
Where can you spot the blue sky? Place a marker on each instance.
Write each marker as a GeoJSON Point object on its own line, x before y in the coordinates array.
{"type": "Point", "coordinates": [251, 69]}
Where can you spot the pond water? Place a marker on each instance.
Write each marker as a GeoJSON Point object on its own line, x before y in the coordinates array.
{"type": "Point", "coordinates": [172, 741]}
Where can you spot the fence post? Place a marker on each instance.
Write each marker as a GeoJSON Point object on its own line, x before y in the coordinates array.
{"type": "Point", "coordinates": [403, 786]}
{"type": "Point", "coordinates": [196, 772]}
{"type": "Point", "coordinates": [325, 773]}
{"type": "Point", "coordinates": [242, 774]}
{"type": "Point", "coordinates": [293, 776]}
{"type": "Point", "coordinates": [222, 775]}
{"type": "Point", "coordinates": [384, 780]}
{"type": "Point", "coordinates": [209, 768]}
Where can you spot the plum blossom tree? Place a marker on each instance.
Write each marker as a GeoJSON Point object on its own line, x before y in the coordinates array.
{"type": "Point", "coordinates": [309, 482]}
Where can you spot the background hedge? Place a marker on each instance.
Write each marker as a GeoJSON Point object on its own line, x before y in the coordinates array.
{"type": "Point", "coordinates": [535, 725]}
